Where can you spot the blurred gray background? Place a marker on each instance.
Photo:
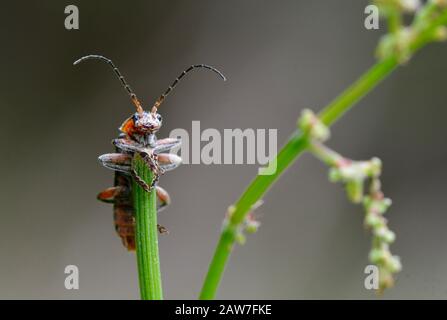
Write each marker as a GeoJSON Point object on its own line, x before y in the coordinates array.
{"type": "Point", "coordinates": [279, 57]}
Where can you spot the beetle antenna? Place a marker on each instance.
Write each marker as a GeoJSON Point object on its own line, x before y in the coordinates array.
{"type": "Point", "coordinates": [160, 100]}
{"type": "Point", "coordinates": [132, 95]}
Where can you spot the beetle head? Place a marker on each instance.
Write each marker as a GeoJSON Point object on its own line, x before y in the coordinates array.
{"type": "Point", "coordinates": [142, 123]}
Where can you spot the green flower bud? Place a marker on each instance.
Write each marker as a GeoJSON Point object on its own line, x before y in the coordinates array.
{"type": "Point", "coordinates": [334, 175]}
{"type": "Point", "coordinates": [377, 256]}
{"type": "Point", "coordinates": [367, 202]}
{"type": "Point", "coordinates": [354, 190]}
{"type": "Point", "coordinates": [382, 205]}
{"type": "Point", "coordinates": [305, 121]}
{"type": "Point", "coordinates": [396, 43]}
{"type": "Point", "coordinates": [375, 167]}
{"type": "Point", "coordinates": [309, 123]}
{"type": "Point", "coordinates": [252, 226]}
{"type": "Point", "coordinates": [386, 46]}
{"type": "Point", "coordinates": [385, 235]}
{"type": "Point", "coordinates": [440, 33]}
{"type": "Point", "coordinates": [373, 221]}
{"type": "Point", "coordinates": [240, 238]}
{"type": "Point", "coordinates": [385, 279]}
{"type": "Point", "coordinates": [394, 265]}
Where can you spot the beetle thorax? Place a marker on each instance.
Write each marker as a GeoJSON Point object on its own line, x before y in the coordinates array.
{"type": "Point", "coordinates": [146, 140]}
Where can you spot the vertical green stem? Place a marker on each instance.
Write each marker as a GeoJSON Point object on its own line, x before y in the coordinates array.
{"type": "Point", "coordinates": [146, 235]}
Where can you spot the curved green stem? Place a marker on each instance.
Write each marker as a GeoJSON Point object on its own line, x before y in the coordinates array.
{"type": "Point", "coordinates": [146, 235]}
{"type": "Point", "coordinates": [296, 145]}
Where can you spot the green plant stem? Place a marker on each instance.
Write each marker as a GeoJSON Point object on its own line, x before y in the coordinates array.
{"type": "Point", "coordinates": [146, 235]}
{"type": "Point", "coordinates": [394, 21]}
{"type": "Point", "coordinates": [296, 145]}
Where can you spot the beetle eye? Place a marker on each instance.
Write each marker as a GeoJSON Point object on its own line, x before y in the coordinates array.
{"type": "Point", "coordinates": [159, 117]}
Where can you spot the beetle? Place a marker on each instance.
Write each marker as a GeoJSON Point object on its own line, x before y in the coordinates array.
{"type": "Point", "coordinates": [138, 136]}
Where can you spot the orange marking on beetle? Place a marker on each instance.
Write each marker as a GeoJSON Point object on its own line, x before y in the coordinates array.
{"type": "Point", "coordinates": [107, 195]}
{"type": "Point", "coordinates": [128, 126]}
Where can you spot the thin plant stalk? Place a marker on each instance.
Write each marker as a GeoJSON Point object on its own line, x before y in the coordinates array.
{"type": "Point", "coordinates": [296, 145]}
{"type": "Point", "coordinates": [146, 235]}
{"type": "Point", "coordinates": [294, 148]}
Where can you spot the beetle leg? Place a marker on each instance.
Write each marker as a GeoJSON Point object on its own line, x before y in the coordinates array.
{"type": "Point", "coordinates": [127, 145]}
{"type": "Point", "coordinates": [114, 194]}
{"type": "Point", "coordinates": [164, 198]}
{"type": "Point", "coordinates": [166, 144]}
{"type": "Point", "coordinates": [158, 163]}
{"type": "Point", "coordinates": [120, 194]}
{"type": "Point", "coordinates": [151, 161]}
{"type": "Point", "coordinates": [116, 161]}
{"type": "Point", "coordinates": [161, 229]}
{"type": "Point", "coordinates": [169, 161]}
{"type": "Point", "coordinates": [147, 187]}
